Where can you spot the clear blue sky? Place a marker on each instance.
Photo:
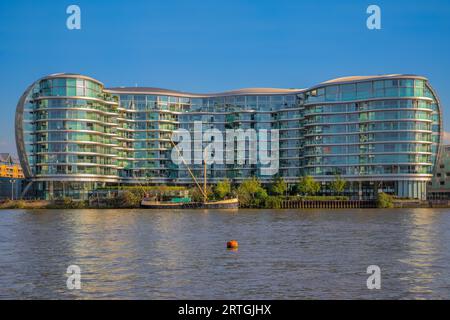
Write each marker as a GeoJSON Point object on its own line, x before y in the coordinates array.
{"type": "Point", "coordinates": [207, 46]}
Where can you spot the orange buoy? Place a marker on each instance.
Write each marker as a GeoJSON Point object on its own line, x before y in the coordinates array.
{"type": "Point", "coordinates": [232, 244]}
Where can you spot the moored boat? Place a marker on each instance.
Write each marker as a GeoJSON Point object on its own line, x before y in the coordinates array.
{"type": "Point", "coordinates": [186, 203]}
{"type": "Point", "coordinates": [223, 204]}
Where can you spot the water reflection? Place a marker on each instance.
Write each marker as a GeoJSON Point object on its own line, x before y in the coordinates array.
{"type": "Point", "coordinates": [175, 254]}
{"type": "Point", "coordinates": [106, 255]}
{"type": "Point", "coordinates": [423, 250]}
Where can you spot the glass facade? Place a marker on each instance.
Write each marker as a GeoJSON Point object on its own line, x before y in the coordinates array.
{"type": "Point", "coordinates": [68, 132]}
{"type": "Point", "coordinates": [378, 133]}
{"type": "Point", "coordinates": [386, 131]}
{"type": "Point", "coordinates": [439, 187]}
{"type": "Point", "coordinates": [146, 123]}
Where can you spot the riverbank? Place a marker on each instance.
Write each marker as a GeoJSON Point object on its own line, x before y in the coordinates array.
{"type": "Point", "coordinates": [286, 204]}
{"type": "Point", "coordinates": [25, 204]}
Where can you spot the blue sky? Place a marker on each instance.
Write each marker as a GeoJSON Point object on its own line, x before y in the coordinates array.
{"type": "Point", "coordinates": [207, 46]}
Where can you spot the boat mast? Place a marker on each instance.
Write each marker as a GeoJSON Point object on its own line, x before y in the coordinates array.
{"type": "Point", "coordinates": [189, 170]}
{"type": "Point", "coordinates": [205, 194]}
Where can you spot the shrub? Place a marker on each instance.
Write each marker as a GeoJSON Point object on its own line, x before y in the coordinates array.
{"type": "Point", "coordinates": [69, 203]}
{"type": "Point", "coordinates": [338, 185]}
{"type": "Point", "coordinates": [308, 186]}
{"type": "Point", "coordinates": [129, 199]}
{"type": "Point", "coordinates": [385, 200]}
{"type": "Point", "coordinates": [222, 189]}
{"type": "Point", "coordinates": [324, 198]}
{"type": "Point", "coordinates": [18, 204]}
{"type": "Point", "coordinates": [251, 194]}
{"type": "Point", "coordinates": [278, 187]}
{"type": "Point", "coordinates": [273, 202]}
{"type": "Point", "coordinates": [197, 196]}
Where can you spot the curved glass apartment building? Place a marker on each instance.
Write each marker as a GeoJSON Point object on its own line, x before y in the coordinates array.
{"type": "Point", "coordinates": [381, 133]}
{"type": "Point", "coordinates": [378, 133]}
{"type": "Point", "coordinates": [66, 129]}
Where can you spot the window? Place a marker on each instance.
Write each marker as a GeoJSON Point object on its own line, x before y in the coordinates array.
{"type": "Point", "coordinates": [348, 91]}
{"type": "Point", "coordinates": [364, 90]}
{"type": "Point", "coordinates": [71, 91]}
{"type": "Point", "coordinates": [419, 83]}
{"type": "Point", "coordinates": [406, 83]}
{"type": "Point", "coordinates": [378, 85]}
{"type": "Point", "coordinates": [379, 88]}
{"type": "Point", "coordinates": [71, 82]}
{"type": "Point", "coordinates": [331, 93]}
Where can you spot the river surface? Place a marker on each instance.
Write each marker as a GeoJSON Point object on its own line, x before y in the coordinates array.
{"type": "Point", "coordinates": [283, 254]}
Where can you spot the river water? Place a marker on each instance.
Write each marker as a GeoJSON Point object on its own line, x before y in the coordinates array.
{"type": "Point", "coordinates": [283, 254]}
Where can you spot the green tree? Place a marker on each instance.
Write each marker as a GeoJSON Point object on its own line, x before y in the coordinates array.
{"type": "Point", "coordinates": [251, 194]}
{"type": "Point", "coordinates": [278, 187]}
{"type": "Point", "coordinates": [338, 185]}
{"type": "Point", "coordinates": [222, 189]}
{"type": "Point", "coordinates": [385, 200]}
{"type": "Point", "coordinates": [308, 186]}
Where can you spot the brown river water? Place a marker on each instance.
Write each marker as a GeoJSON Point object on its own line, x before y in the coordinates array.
{"type": "Point", "coordinates": [282, 254]}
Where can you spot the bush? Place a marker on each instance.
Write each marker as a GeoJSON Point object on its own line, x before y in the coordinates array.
{"type": "Point", "coordinates": [278, 187]}
{"type": "Point", "coordinates": [130, 199]}
{"type": "Point", "coordinates": [385, 200]}
{"type": "Point", "coordinates": [324, 198]}
{"type": "Point", "coordinates": [222, 189]}
{"type": "Point", "coordinates": [13, 204]}
{"type": "Point", "coordinates": [308, 186]}
{"type": "Point", "coordinates": [17, 204]}
{"type": "Point", "coordinates": [251, 194]}
{"type": "Point", "coordinates": [338, 185]}
{"type": "Point", "coordinates": [69, 203]}
{"type": "Point", "coordinates": [273, 202]}
{"type": "Point", "coordinates": [197, 196]}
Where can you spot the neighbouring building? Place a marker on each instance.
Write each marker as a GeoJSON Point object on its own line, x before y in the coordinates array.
{"type": "Point", "coordinates": [380, 133]}
{"type": "Point", "coordinates": [11, 177]}
{"type": "Point", "coordinates": [439, 187]}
